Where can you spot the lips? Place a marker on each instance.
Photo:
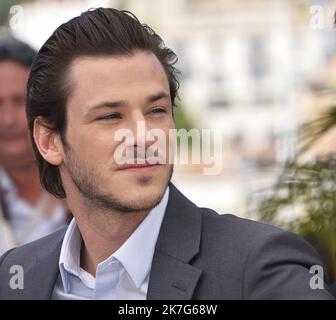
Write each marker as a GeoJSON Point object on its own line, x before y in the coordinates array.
{"type": "Point", "coordinates": [6, 136]}
{"type": "Point", "coordinates": [138, 166]}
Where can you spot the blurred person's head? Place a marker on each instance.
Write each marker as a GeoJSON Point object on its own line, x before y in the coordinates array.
{"type": "Point", "coordinates": [15, 61]}
{"type": "Point", "coordinates": [102, 55]}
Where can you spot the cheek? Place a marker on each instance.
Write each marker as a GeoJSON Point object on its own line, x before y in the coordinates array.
{"type": "Point", "coordinates": [96, 147]}
{"type": "Point", "coordinates": [22, 120]}
{"type": "Point", "coordinates": [104, 143]}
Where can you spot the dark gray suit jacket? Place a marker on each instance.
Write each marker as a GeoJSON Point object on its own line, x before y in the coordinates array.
{"type": "Point", "coordinates": [199, 255]}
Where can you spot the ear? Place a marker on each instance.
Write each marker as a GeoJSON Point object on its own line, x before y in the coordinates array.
{"type": "Point", "coordinates": [48, 142]}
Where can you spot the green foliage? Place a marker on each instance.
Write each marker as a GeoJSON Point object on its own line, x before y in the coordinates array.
{"type": "Point", "coordinates": [307, 187]}
{"type": "Point", "coordinates": [182, 120]}
{"type": "Point", "coordinates": [311, 132]}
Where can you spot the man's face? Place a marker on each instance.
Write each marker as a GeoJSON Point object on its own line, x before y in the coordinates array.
{"type": "Point", "coordinates": [109, 94]}
{"type": "Point", "coordinates": [15, 147]}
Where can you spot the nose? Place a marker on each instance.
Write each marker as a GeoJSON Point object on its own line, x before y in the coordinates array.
{"type": "Point", "coordinates": [141, 131]}
{"type": "Point", "coordinates": [7, 115]}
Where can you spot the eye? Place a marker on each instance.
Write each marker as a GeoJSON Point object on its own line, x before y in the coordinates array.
{"type": "Point", "coordinates": [110, 116]}
{"type": "Point", "coordinates": [158, 110]}
{"type": "Point", "coordinates": [19, 101]}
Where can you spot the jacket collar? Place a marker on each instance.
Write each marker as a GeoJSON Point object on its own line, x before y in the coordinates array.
{"type": "Point", "coordinates": [40, 271]}
{"type": "Point", "coordinates": [171, 276]}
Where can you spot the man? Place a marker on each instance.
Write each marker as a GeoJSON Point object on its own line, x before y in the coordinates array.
{"type": "Point", "coordinates": [27, 212]}
{"type": "Point", "coordinates": [134, 235]}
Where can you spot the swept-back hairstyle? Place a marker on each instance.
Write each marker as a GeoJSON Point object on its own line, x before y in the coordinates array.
{"type": "Point", "coordinates": [98, 32]}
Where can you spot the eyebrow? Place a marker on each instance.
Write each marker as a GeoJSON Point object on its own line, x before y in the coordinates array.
{"type": "Point", "coordinates": [119, 103]}
{"type": "Point", "coordinates": [158, 96]}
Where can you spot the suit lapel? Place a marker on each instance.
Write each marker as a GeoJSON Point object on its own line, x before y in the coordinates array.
{"type": "Point", "coordinates": [172, 277]}
{"type": "Point", "coordinates": [41, 274]}
{"type": "Point", "coordinates": [46, 272]}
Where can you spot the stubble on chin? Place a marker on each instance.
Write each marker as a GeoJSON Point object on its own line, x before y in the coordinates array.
{"type": "Point", "coordinates": [88, 182]}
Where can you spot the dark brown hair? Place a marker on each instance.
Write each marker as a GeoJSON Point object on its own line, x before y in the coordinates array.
{"type": "Point", "coordinates": [98, 32]}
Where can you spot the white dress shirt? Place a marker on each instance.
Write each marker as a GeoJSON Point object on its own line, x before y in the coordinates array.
{"type": "Point", "coordinates": [122, 276]}
{"type": "Point", "coordinates": [27, 223]}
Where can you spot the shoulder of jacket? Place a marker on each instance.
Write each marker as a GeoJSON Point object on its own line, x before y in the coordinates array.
{"type": "Point", "coordinates": [29, 250]}
{"type": "Point", "coordinates": [239, 229]}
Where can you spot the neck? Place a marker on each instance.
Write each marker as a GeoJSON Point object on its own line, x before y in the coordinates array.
{"type": "Point", "coordinates": [26, 181]}
{"type": "Point", "coordinates": [103, 232]}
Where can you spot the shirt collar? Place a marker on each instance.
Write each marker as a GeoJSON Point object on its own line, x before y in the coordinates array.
{"type": "Point", "coordinates": [135, 254]}
{"type": "Point", "coordinates": [6, 183]}
{"type": "Point", "coordinates": [70, 253]}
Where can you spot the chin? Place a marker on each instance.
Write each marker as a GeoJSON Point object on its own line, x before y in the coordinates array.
{"type": "Point", "coordinates": [16, 156]}
{"type": "Point", "coordinates": [148, 190]}
{"type": "Point", "coordinates": [148, 195]}
{"type": "Point", "coordinates": [148, 201]}
{"type": "Point", "coordinates": [145, 188]}
{"type": "Point", "coordinates": [15, 148]}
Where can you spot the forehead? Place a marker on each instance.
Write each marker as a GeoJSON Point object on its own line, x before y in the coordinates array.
{"type": "Point", "coordinates": [12, 75]}
{"type": "Point", "coordinates": [123, 77]}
